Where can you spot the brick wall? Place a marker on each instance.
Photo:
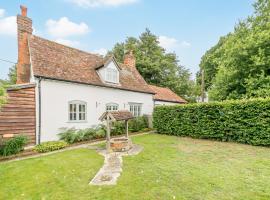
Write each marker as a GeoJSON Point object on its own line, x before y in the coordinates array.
{"type": "Point", "coordinates": [24, 29]}
{"type": "Point", "coordinates": [18, 115]}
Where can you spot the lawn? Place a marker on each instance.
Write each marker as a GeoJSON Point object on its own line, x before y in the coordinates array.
{"type": "Point", "coordinates": [168, 168]}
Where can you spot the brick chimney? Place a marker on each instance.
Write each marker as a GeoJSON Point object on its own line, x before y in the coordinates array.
{"type": "Point", "coordinates": [24, 29]}
{"type": "Point", "coordinates": [129, 59]}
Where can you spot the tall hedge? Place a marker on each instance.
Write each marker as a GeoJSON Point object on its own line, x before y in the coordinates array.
{"type": "Point", "coordinates": [245, 121]}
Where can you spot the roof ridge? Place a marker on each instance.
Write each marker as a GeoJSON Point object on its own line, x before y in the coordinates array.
{"type": "Point", "coordinates": [76, 49]}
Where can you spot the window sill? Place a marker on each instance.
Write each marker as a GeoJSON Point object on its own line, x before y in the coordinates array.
{"type": "Point", "coordinates": [77, 122]}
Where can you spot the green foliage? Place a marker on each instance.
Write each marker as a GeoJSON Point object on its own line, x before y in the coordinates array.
{"type": "Point", "coordinates": [232, 67]}
{"type": "Point", "coordinates": [13, 146]}
{"type": "Point", "coordinates": [2, 94]}
{"type": "Point", "coordinates": [155, 65]}
{"type": "Point", "coordinates": [134, 125]}
{"type": "Point", "coordinates": [12, 75]}
{"type": "Point", "coordinates": [72, 135]}
{"type": "Point", "coordinates": [244, 121]}
{"type": "Point", "coordinates": [50, 146]}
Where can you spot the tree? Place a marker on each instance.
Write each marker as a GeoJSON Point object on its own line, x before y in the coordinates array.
{"type": "Point", "coordinates": [155, 65]}
{"type": "Point", "coordinates": [238, 65]}
{"type": "Point", "coordinates": [12, 75]}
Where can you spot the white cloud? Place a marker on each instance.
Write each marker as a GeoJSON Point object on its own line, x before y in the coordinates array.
{"type": "Point", "coordinates": [101, 51]}
{"type": "Point", "coordinates": [185, 44]}
{"type": "Point", "coordinates": [99, 3]}
{"type": "Point", "coordinates": [8, 26]}
{"type": "Point", "coordinates": [71, 43]}
{"type": "Point", "coordinates": [167, 42]}
{"type": "Point", "coordinates": [2, 12]}
{"type": "Point", "coordinates": [64, 28]}
{"type": "Point", "coordinates": [171, 44]}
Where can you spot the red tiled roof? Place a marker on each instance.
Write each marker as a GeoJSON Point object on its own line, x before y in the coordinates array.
{"type": "Point", "coordinates": [55, 61]}
{"type": "Point", "coordinates": [165, 94]}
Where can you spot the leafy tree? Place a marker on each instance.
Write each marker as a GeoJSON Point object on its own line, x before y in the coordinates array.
{"type": "Point", "coordinates": [238, 66]}
{"type": "Point", "coordinates": [12, 75]}
{"type": "Point", "coordinates": [155, 65]}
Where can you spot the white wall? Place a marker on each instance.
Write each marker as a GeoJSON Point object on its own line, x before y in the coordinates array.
{"type": "Point", "coordinates": [165, 103]}
{"type": "Point", "coordinates": [55, 96]}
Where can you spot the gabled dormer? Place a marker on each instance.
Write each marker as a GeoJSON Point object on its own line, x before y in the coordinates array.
{"type": "Point", "coordinates": [110, 72]}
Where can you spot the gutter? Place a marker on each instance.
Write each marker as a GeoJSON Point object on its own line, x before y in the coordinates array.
{"type": "Point", "coordinates": [39, 110]}
{"type": "Point", "coordinates": [98, 85]}
{"type": "Point", "coordinates": [171, 101]}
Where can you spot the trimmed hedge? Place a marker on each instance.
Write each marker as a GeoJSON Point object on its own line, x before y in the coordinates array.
{"type": "Point", "coordinates": [244, 121]}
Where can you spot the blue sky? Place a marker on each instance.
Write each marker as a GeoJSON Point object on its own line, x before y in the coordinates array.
{"type": "Point", "coordinates": [187, 27]}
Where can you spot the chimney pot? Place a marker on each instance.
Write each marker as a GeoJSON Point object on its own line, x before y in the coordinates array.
{"type": "Point", "coordinates": [23, 11]}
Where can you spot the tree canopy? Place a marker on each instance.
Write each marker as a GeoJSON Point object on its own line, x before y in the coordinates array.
{"type": "Point", "coordinates": [155, 65]}
{"type": "Point", "coordinates": [238, 66]}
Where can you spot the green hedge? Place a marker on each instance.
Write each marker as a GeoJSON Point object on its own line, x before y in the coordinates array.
{"type": "Point", "coordinates": [245, 121]}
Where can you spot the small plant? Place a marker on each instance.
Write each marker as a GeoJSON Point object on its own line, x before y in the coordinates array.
{"type": "Point", "coordinates": [100, 132]}
{"type": "Point", "coordinates": [50, 146]}
{"type": "Point", "coordinates": [14, 145]}
{"type": "Point", "coordinates": [68, 135]}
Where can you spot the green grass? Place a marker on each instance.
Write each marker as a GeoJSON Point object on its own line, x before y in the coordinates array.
{"type": "Point", "coordinates": [168, 168]}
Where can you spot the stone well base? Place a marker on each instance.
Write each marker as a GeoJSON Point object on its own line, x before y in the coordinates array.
{"type": "Point", "coordinates": [120, 144]}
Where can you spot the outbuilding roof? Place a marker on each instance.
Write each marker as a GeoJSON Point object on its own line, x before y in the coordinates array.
{"type": "Point", "coordinates": [165, 94]}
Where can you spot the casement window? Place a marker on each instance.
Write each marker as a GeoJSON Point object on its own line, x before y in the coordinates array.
{"type": "Point", "coordinates": [135, 109]}
{"type": "Point", "coordinates": [77, 111]}
{"type": "Point", "coordinates": [111, 75]}
{"type": "Point", "coordinates": [111, 107]}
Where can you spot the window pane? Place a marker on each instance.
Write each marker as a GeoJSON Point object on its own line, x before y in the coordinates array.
{"type": "Point", "coordinates": [83, 116]}
{"type": "Point", "coordinates": [70, 116]}
{"type": "Point", "coordinates": [111, 107]}
{"type": "Point", "coordinates": [111, 75]}
{"type": "Point", "coordinates": [139, 110]}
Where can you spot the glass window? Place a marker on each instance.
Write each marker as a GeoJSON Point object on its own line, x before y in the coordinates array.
{"type": "Point", "coordinates": [77, 111]}
{"type": "Point", "coordinates": [135, 109]}
{"type": "Point", "coordinates": [111, 107]}
{"type": "Point", "coordinates": [111, 75]}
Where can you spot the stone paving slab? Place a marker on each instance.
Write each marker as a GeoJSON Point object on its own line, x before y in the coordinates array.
{"type": "Point", "coordinates": [112, 168]}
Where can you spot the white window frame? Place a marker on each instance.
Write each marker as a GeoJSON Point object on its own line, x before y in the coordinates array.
{"type": "Point", "coordinates": [114, 107]}
{"type": "Point", "coordinates": [135, 109]}
{"type": "Point", "coordinates": [111, 75]}
{"type": "Point", "coordinates": [74, 115]}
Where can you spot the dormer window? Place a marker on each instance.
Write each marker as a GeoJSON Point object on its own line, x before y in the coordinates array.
{"type": "Point", "coordinates": [111, 75]}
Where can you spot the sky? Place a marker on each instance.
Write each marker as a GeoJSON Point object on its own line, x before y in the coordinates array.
{"type": "Point", "coordinates": [187, 27]}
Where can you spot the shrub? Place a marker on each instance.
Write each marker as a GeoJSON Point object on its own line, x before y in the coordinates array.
{"type": "Point", "coordinates": [50, 146]}
{"type": "Point", "coordinates": [100, 132]}
{"type": "Point", "coordinates": [13, 145]}
{"type": "Point", "coordinates": [134, 125]}
{"type": "Point", "coordinates": [72, 135]}
{"type": "Point", "coordinates": [69, 135]}
{"type": "Point", "coordinates": [138, 124]}
{"type": "Point", "coordinates": [245, 121]}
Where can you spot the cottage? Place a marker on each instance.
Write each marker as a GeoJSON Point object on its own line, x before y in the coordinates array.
{"type": "Point", "coordinates": [71, 88]}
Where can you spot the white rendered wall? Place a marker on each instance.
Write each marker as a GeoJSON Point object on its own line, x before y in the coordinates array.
{"type": "Point", "coordinates": [55, 96]}
{"type": "Point", "coordinates": [165, 103]}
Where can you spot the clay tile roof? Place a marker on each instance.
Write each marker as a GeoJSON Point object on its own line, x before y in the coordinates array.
{"type": "Point", "coordinates": [117, 115]}
{"type": "Point", "coordinates": [165, 94]}
{"type": "Point", "coordinates": [56, 61]}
